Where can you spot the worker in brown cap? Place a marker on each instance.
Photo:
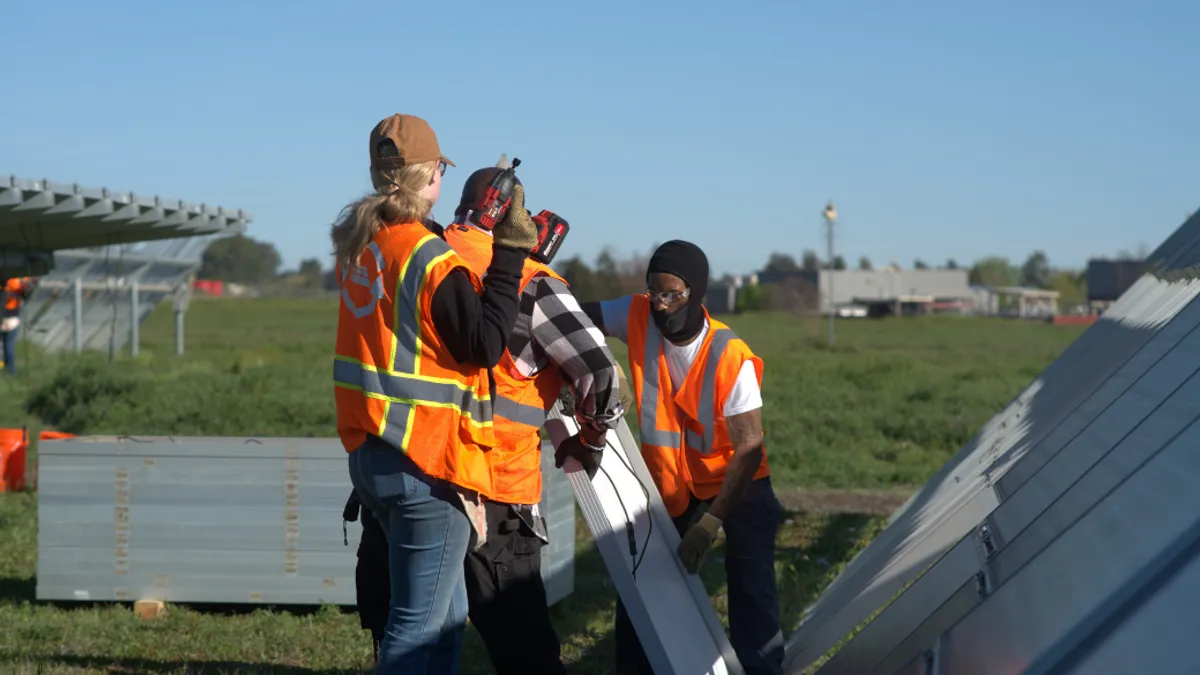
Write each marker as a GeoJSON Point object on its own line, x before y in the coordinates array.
{"type": "Point", "coordinates": [418, 330]}
{"type": "Point", "coordinates": [554, 352]}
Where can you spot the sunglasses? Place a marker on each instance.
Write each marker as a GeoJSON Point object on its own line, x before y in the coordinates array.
{"type": "Point", "coordinates": [442, 166]}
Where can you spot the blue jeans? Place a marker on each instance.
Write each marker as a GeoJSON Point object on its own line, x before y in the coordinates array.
{"type": "Point", "coordinates": [428, 534]}
{"type": "Point", "coordinates": [10, 350]}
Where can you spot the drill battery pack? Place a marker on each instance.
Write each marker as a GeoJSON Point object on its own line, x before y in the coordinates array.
{"type": "Point", "coordinates": [552, 230]}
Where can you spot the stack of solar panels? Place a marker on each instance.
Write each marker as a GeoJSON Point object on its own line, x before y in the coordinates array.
{"type": "Point", "coordinates": [221, 520]}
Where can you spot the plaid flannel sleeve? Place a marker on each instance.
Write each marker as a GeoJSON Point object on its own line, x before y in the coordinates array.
{"type": "Point", "coordinates": [568, 339]}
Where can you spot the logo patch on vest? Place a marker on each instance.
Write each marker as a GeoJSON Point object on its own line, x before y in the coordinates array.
{"type": "Point", "coordinates": [361, 275]}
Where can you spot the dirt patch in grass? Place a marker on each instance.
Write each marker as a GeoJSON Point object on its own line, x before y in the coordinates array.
{"type": "Point", "coordinates": [857, 502]}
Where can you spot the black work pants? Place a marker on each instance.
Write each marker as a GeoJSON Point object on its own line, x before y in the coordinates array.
{"type": "Point", "coordinates": [754, 633]}
{"type": "Point", "coordinates": [372, 580]}
{"type": "Point", "coordinates": [507, 599]}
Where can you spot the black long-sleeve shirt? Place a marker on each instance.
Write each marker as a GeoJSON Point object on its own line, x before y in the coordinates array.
{"type": "Point", "coordinates": [475, 327]}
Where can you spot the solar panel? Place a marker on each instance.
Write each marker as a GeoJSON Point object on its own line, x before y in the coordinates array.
{"type": "Point", "coordinates": [679, 630]}
{"type": "Point", "coordinates": [1037, 542]}
{"type": "Point", "coordinates": [91, 289]}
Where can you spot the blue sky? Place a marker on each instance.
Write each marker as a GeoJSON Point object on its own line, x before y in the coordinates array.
{"type": "Point", "coordinates": [941, 129]}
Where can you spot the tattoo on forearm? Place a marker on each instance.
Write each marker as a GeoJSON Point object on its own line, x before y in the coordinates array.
{"type": "Point", "coordinates": [745, 433]}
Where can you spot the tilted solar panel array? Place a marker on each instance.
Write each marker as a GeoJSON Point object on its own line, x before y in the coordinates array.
{"type": "Point", "coordinates": [1030, 548]}
{"type": "Point", "coordinates": [106, 277]}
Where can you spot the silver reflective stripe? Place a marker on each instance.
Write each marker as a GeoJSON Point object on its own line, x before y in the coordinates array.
{"type": "Point", "coordinates": [402, 388]}
{"type": "Point", "coordinates": [648, 419]}
{"type": "Point", "coordinates": [395, 424]}
{"type": "Point", "coordinates": [706, 408]}
{"type": "Point", "coordinates": [519, 412]}
{"type": "Point", "coordinates": [408, 296]}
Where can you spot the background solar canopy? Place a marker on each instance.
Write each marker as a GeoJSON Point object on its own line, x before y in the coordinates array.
{"type": "Point", "coordinates": [106, 276]}
{"type": "Point", "coordinates": [38, 217]}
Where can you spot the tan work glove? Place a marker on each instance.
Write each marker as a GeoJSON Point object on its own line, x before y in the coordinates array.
{"type": "Point", "coordinates": [624, 391]}
{"type": "Point", "coordinates": [697, 540]}
{"type": "Point", "coordinates": [517, 229]}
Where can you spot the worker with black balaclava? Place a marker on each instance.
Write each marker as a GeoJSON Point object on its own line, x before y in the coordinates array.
{"type": "Point", "coordinates": [697, 387]}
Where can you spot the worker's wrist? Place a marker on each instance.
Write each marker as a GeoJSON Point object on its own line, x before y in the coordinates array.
{"type": "Point", "coordinates": [591, 444]}
{"type": "Point", "coordinates": [592, 435]}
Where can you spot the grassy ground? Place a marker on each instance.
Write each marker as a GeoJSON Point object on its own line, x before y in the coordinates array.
{"type": "Point", "coordinates": [43, 638]}
{"type": "Point", "coordinates": [879, 413]}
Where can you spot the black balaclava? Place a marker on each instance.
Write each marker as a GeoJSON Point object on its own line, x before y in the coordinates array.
{"type": "Point", "coordinates": [686, 261]}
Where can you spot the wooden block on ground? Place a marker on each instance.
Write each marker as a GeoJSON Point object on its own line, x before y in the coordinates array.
{"type": "Point", "coordinates": [149, 609]}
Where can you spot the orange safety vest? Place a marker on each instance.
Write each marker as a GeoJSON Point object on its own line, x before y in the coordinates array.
{"type": "Point", "coordinates": [684, 443]}
{"type": "Point", "coordinates": [13, 290]}
{"type": "Point", "coordinates": [394, 377]}
{"type": "Point", "coordinates": [522, 403]}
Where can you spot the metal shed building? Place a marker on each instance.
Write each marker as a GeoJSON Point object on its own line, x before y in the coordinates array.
{"type": "Point", "coordinates": [856, 286]}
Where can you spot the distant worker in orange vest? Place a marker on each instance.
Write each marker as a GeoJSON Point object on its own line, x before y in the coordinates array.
{"type": "Point", "coordinates": [16, 291]}
{"type": "Point", "coordinates": [553, 343]}
{"type": "Point", "coordinates": [698, 391]}
{"type": "Point", "coordinates": [417, 332]}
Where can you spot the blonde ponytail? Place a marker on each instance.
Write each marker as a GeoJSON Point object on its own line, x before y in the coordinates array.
{"type": "Point", "coordinates": [397, 199]}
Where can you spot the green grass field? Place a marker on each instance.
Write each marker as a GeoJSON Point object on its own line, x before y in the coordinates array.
{"type": "Point", "coordinates": [880, 412]}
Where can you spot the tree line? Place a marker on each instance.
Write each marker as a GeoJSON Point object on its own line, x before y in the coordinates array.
{"type": "Point", "coordinates": [245, 260]}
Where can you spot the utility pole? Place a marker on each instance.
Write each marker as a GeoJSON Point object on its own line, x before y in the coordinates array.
{"type": "Point", "coordinates": [830, 215]}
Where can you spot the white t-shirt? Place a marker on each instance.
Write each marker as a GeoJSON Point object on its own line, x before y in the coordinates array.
{"type": "Point", "coordinates": [745, 395]}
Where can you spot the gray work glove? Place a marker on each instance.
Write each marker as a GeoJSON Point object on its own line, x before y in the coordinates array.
{"type": "Point", "coordinates": [517, 230]}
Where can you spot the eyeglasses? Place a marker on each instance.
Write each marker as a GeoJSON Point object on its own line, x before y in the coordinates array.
{"type": "Point", "coordinates": [442, 167]}
{"type": "Point", "coordinates": [668, 297]}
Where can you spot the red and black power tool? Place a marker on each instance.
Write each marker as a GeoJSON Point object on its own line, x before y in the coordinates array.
{"type": "Point", "coordinates": [552, 230]}
{"type": "Point", "coordinates": [496, 199]}
{"type": "Point", "coordinates": [493, 205]}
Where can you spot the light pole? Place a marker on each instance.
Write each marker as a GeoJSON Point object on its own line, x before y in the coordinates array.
{"type": "Point", "coordinates": [830, 215]}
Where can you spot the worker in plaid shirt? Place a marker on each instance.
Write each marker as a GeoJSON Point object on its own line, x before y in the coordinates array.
{"type": "Point", "coordinates": [554, 348]}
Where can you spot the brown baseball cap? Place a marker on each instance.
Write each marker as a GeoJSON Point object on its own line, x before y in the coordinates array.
{"type": "Point", "coordinates": [400, 140]}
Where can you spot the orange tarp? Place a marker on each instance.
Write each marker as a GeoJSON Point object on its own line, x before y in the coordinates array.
{"type": "Point", "coordinates": [14, 447]}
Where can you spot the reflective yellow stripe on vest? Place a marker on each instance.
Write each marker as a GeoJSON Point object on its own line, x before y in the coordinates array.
{"type": "Point", "coordinates": [648, 419]}
{"type": "Point", "coordinates": [400, 387]}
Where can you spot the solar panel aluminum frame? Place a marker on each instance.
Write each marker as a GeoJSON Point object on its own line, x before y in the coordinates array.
{"type": "Point", "coordinates": [670, 609]}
